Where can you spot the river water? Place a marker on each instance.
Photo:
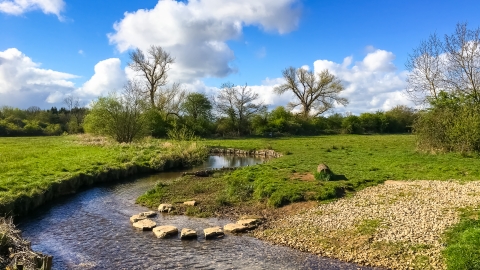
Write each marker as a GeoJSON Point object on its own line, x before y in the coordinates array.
{"type": "Point", "coordinates": [91, 230]}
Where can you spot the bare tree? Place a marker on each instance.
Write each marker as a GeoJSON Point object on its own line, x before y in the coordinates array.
{"type": "Point", "coordinates": [238, 104]}
{"type": "Point", "coordinates": [427, 71]}
{"type": "Point", "coordinates": [154, 67]}
{"type": "Point", "coordinates": [315, 93]}
{"type": "Point", "coordinates": [170, 99]}
{"type": "Point", "coordinates": [76, 113]}
{"type": "Point", "coordinates": [451, 65]}
{"type": "Point", "coordinates": [463, 51]}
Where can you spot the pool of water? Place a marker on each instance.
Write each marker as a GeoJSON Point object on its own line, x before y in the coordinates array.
{"type": "Point", "coordinates": [91, 230]}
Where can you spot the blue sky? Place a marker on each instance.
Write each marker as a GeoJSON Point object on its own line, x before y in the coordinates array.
{"type": "Point", "coordinates": [53, 48]}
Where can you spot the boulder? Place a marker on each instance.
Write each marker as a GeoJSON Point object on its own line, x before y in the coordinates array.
{"type": "Point", "coordinates": [165, 231]}
{"type": "Point", "coordinates": [148, 214]}
{"type": "Point", "coordinates": [235, 228]}
{"type": "Point", "coordinates": [213, 232]}
{"type": "Point", "coordinates": [136, 218]}
{"type": "Point", "coordinates": [165, 207]}
{"type": "Point", "coordinates": [188, 234]}
{"type": "Point", "coordinates": [323, 168]}
{"type": "Point", "coordinates": [190, 203]}
{"type": "Point", "coordinates": [145, 224]}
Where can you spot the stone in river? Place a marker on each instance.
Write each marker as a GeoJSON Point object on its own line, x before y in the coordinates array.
{"type": "Point", "coordinates": [165, 207]}
{"type": "Point", "coordinates": [235, 228]}
{"type": "Point", "coordinates": [165, 231]}
{"type": "Point", "coordinates": [136, 218]}
{"type": "Point", "coordinates": [213, 232]}
{"type": "Point", "coordinates": [148, 214]}
{"type": "Point", "coordinates": [188, 234]}
{"type": "Point", "coordinates": [145, 224]}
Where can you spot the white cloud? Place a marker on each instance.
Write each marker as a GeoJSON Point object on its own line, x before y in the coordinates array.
{"type": "Point", "coordinates": [108, 77]}
{"type": "Point", "coordinates": [195, 33]}
{"type": "Point", "coordinates": [23, 83]}
{"type": "Point", "coordinates": [18, 7]}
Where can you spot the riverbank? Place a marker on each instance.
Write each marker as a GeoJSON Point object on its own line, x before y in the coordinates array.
{"type": "Point", "coordinates": [36, 170]}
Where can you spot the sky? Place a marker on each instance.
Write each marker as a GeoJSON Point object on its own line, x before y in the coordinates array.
{"type": "Point", "coordinates": [50, 49]}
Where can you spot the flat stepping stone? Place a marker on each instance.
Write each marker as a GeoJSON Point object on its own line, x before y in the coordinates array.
{"type": "Point", "coordinates": [136, 218]}
{"type": "Point", "coordinates": [235, 228]}
{"type": "Point", "coordinates": [165, 207]}
{"type": "Point", "coordinates": [190, 203]}
{"type": "Point", "coordinates": [148, 214]}
{"type": "Point", "coordinates": [250, 223]}
{"type": "Point", "coordinates": [165, 231]}
{"type": "Point", "coordinates": [213, 232]}
{"type": "Point", "coordinates": [145, 224]}
{"type": "Point", "coordinates": [188, 234]}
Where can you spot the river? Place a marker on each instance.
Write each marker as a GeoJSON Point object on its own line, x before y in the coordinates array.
{"type": "Point", "coordinates": [91, 230]}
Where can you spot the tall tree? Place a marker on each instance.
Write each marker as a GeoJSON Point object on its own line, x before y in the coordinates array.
{"type": "Point", "coordinates": [153, 66]}
{"type": "Point", "coordinates": [316, 93]}
{"type": "Point", "coordinates": [238, 104]}
{"type": "Point", "coordinates": [197, 106]}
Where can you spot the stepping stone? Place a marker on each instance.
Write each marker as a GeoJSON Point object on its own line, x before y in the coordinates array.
{"type": "Point", "coordinates": [213, 232]}
{"type": "Point", "coordinates": [148, 214]}
{"type": "Point", "coordinates": [235, 228]}
{"type": "Point", "coordinates": [165, 207]}
{"type": "Point", "coordinates": [250, 223]}
{"type": "Point", "coordinates": [165, 231]}
{"type": "Point", "coordinates": [145, 225]}
{"type": "Point", "coordinates": [188, 234]}
{"type": "Point", "coordinates": [136, 218]}
{"type": "Point", "coordinates": [190, 203]}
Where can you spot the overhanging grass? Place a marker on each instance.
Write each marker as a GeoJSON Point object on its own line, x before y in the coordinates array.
{"type": "Point", "coordinates": [30, 165]}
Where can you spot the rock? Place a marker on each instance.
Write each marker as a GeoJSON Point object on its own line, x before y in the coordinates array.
{"type": "Point", "coordinates": [323, 168]}
{"type": "Point", "coordinates": [165, 231]}
{"type": "Point", "coordinates": [188, 234]}
{"type": "Point", "coordinates": [251, 223]}
{"type": "Point", "coordinates": [165, 207]}
{"type": "Point", "coordinates": [148, 214]}
{"type": "Point", "coordinates": [235, 228]}
{"type": "Point", "coordinates": [213, 232]}
{"type": "Point", "coordinates": [145, 224]}
{"type": "Point", "coordinates": [136, 218]}
{"type": "Point", "coordinates": [190, 203]}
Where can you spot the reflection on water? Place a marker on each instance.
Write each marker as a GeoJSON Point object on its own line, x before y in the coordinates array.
{"type": "Point", "coordinates": [91, 230]}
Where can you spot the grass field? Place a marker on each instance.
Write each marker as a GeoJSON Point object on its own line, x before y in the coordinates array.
{"type": "Point", "coordinates": [30, 165]}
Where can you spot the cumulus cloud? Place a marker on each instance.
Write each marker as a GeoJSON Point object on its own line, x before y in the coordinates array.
{"type": "Point", "coordinates": [196, 32]}
{"type": "Point", "coordinates": [372, 84]}
{"type": "Point", "coordinates": [23, 83]}
{"type": "Point", "coordinates": [18, 7]}
{"type": "Point", "coordinates": [108, 77]}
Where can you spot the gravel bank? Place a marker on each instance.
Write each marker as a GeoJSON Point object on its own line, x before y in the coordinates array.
{"type": "Point", "coordinates": [397, 225]}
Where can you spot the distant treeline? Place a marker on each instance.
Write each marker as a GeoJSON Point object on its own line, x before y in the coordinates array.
{"type": "Point", "coordinates": [277, 122]}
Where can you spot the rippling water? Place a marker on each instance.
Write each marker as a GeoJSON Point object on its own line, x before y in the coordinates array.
{"type": "Point", "coordinates": [91, 230]}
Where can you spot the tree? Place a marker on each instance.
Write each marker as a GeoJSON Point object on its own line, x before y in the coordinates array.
{"type": "Point", "coordinates": [122, 117]}
{"type": "Point", "coordinates": [237, 103]}
{"type": "Point", "coordinates": [451, 65]}
{"type": "Point", "coordinates": [153, 67]}
{"type": "Point", "coordinates": [315, 93]}
{"type": "Point", "coordinates": [197, 110]}
{"type": "Point", "coordinates": [76, 113]}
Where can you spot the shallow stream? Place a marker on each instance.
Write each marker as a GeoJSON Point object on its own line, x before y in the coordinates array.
{"type": "Point", "coordinates": [91, 230]}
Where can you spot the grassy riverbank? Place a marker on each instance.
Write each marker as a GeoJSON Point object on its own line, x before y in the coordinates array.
{"type": "Point", "coordinates": [32, 166]}
{"type": "Point", "coordinates": [358, 162]}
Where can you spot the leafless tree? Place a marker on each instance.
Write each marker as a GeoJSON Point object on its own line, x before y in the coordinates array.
{"type": "Point", "coordinates": [451, 65]}
{"type": "Point", "coordinates": [427, 70]}
{"type": "Point", "coordinates": [316, 93]}
{"type": "Point", "coordinates": [238, 104]}
{"type": "Point", "coordinates": [76, 113]}
{"type": "Point", "coordinates": [153, 66]}
{"type": "Point", "coordinates": [170, 99]}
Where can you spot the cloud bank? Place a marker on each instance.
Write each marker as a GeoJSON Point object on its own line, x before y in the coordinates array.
{"type": "Point", "coordinates": [196, 32]}
{"type": "Point", "coordinates": [18, 7]}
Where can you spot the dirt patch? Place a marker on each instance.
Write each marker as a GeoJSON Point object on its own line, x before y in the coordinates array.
{"type": "Point", "coordinates": [303, 177]}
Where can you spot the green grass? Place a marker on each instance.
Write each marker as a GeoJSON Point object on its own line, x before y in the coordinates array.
{"type": "Point", "coordinates": [463, 242]}
{"type": "Point", "coordinates": [31, 165]}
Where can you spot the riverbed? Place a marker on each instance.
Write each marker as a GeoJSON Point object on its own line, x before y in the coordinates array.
{"type": "Point", "coordinates": [91, 230]}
